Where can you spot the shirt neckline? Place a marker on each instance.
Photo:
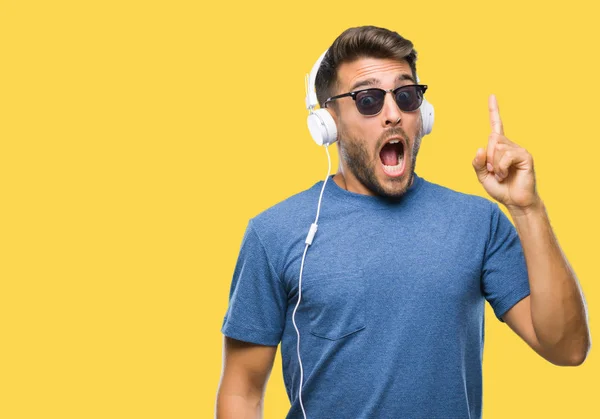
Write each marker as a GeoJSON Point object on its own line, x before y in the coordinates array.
{"type": "Point", "coordinates": [377, 202]}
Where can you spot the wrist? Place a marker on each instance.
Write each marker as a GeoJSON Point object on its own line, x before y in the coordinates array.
{"type": "Point", "coordinates": [535, 208]}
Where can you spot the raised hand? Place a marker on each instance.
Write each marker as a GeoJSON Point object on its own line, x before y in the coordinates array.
{"type": "Point", "coordinates": [505, 169]}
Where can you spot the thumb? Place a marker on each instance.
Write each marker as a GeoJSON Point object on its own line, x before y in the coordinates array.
{"type": "Point", "coordinates": [479, 164]}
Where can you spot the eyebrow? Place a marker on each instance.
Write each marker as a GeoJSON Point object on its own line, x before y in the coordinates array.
{"type": "Point", "coordinates": [374, 81]}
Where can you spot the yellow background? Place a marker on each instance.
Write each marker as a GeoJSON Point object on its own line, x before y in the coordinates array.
{"type": "Point", "coordinates": [138, 138]}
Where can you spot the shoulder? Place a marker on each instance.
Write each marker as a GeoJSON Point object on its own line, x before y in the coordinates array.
{"type": "Point", "coordinates": [460, 203]}
{"type": "Point", "coordinates": [446, 194]}
{"type": "Point", "coordinates": [295, 212]}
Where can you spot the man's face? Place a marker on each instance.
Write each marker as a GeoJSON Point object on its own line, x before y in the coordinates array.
{"type": "Point", "coordinates": [378, 153]}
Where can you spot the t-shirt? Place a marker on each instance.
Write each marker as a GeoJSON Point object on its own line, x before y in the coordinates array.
{"type": "Point", "coordinates": [391, 316]}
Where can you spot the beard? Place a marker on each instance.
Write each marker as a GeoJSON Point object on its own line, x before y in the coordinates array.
{"type": "Point", "coordinates": [362, 164]}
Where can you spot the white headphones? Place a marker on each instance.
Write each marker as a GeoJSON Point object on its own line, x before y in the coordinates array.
{"type": "Point", "coordinates": [320, 122]}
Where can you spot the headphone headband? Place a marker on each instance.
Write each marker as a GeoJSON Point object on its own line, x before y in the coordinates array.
{"type": "Point", "coordinates": [311, 94]}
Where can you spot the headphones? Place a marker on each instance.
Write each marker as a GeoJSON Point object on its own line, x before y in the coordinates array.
{"type": "Point", "coordinates": [320, 122]}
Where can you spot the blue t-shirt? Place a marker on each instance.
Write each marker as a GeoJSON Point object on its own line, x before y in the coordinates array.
{"type": "Point", "coordinates": [391, 316]}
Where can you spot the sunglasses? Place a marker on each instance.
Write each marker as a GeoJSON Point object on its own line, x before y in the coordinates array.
{"type": "Point", "coordinates": [370, 101]}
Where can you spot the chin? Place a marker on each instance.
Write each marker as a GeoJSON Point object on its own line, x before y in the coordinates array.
{"type": "Point", "coordinates": [389, 187]}
{"type": "Point", "coordinates": [396, 187]}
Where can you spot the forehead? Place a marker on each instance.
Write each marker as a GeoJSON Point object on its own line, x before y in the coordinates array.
{"type": "Point", "coordinates": [383, 70]}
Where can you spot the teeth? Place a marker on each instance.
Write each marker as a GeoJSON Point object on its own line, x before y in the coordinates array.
{"type": "Point", "coordinates": [396, 168]}
{"type": "Point", "coordinates": [394, 142]}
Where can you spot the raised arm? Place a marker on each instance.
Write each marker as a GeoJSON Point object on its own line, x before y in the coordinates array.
{"type": "Point", "coordinates": [553, 320]}
{"type": "Point", "coordinates": [246, 370]}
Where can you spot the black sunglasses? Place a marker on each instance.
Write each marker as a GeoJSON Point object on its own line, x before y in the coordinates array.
{"type": "Point", "coordinates": [370, 101]}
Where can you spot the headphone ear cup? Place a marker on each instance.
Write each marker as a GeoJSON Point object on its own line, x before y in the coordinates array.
{"type": "Point", "coordinates": [322, 127]}
{"type": "Point", "coordinates": [427, 114]}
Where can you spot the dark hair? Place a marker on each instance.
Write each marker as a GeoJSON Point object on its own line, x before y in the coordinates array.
{"type": "Point", "coordinates": [360, 42]}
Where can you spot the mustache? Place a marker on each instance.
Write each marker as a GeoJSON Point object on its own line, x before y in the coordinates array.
{"type": "Point", "coordinates": [392, 132]}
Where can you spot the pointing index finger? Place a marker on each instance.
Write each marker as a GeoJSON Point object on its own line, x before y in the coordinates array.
{"type": "Point", "coordinates": [495, 120]}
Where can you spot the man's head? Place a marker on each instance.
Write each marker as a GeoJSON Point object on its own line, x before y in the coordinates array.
{"type": "Point", "coordinates": [378, 152]}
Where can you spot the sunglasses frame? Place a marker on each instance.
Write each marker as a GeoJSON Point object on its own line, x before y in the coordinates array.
{"type": "Point", "coordinates": [421, 87]}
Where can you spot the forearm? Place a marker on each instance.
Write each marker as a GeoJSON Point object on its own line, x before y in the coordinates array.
{"type": "Point", "coordinates": [558, 310]}
{"type": "Point", "coordinates": [234, 406]}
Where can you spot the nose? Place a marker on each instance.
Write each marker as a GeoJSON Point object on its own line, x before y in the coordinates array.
{"type": "Point", "coordinates": [391, 113]}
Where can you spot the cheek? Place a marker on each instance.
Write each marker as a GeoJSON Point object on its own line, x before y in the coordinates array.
{"type": "Point", "coordinates": [367, 131]}
{"type": "Point", "coordinates": [413, 124]}
{"type": "Point", "coordinates": [356, 132]}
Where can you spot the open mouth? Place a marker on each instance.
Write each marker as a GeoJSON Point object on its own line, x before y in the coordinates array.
{"type": "Point", "coordinates": [392, 157]}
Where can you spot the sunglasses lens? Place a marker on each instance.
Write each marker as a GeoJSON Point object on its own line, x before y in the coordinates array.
{"type": "Point", "coordinates": [409, 98]}
{"type": "Point", "coordinates": [369, 102]}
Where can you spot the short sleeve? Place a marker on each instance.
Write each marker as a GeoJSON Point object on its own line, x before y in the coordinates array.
{"type": "Point", "coordinates": [257, 298]}
{"type": "Point", "coordinates": [504, 277]}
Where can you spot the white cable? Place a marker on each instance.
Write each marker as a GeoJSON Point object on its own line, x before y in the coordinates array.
{"type": "Point", "coordinates": [309, 238]}
{"type": "Point", "coordinates": [324, 183]}
{"type": "Point", "coordinates": [298, 332]}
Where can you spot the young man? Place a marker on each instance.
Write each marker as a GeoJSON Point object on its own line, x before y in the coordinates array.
{"type": "Point", "coordinates": [391, 312]}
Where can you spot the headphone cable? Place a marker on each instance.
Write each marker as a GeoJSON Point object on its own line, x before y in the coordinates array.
{"type": "Point", "coordinates": [309, 238]}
